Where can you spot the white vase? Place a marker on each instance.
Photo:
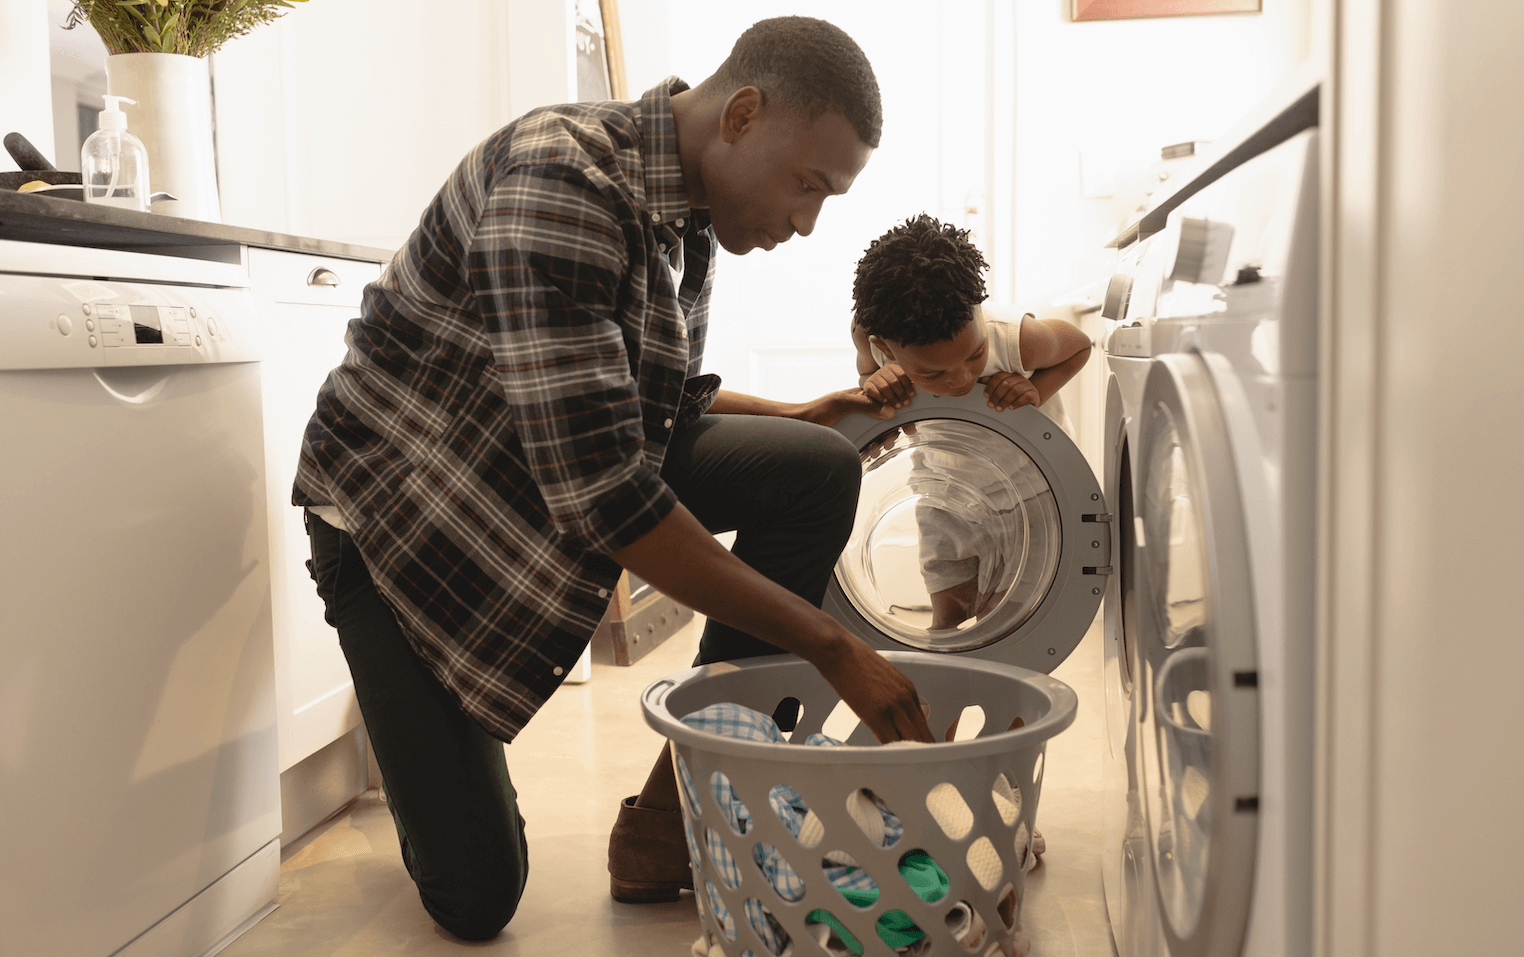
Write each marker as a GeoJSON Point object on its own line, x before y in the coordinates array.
{"type": "Point", "coordinates": [173, 118]}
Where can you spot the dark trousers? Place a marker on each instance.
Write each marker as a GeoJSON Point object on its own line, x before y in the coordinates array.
{"type": "Point", "coordinates": [789, 491]}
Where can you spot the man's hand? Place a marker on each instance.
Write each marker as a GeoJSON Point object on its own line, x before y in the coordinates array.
{"type": "Point", "coordinates": [834, 406]}
{"type": "Point", "coordinates": [891, 386]}
{"type": "Point", "coordinates": [876, 691]}
{"type": "Point", "coordinates": [1008, 390]}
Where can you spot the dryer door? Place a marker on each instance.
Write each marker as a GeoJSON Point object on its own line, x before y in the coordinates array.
{"type": "Point", "coordinates": [978, 532]}
{"type": "Point", "coordinates": [1199, 715]}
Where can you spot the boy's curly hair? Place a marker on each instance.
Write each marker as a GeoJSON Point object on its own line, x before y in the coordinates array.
{"type": "Point", "coordinates": [918, 283]}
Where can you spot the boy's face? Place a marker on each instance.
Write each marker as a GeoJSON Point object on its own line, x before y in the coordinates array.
{"type": "Point", "coordinates": [767, 176]}
{"type": "Point", "coordinates": [950, 367]}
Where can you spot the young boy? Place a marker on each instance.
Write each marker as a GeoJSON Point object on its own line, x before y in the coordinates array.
{"type": "Point", "coordinates": [919, 322]}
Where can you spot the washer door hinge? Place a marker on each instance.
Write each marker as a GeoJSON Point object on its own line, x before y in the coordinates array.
{"type": "Point", "coordinates": [1100, 517]}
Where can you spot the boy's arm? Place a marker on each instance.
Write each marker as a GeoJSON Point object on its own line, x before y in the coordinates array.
{"type": "Point", "coordinates": [887, 385]}
{"type": "Point", "coordinates": [1055, 349]}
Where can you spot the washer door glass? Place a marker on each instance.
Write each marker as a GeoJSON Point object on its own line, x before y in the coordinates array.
{"type": "Point", "coordinates": [1177, 753]}
{"type": "Point", "coordinates": [957, 539]}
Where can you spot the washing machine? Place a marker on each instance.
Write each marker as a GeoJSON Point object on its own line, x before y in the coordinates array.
{"type": "Point", "coordinates": [978, 533]}
{"type": "Point", "coordinates": [1209, 674]}
{"type": "Point", "coordinates": [1128, 309]}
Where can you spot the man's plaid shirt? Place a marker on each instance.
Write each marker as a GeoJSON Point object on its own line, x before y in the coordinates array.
{"type": "Point", "coordinates": [498, 424]}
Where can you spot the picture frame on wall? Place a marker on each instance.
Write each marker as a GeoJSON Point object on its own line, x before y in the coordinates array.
{"type": "Point", "coordinates": [600, 52]}
{"type": "Point", "coordinates": [1130, 9]}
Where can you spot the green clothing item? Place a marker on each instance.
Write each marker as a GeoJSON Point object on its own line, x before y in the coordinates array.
{"type": "Point", "coordinates": [895, 927]}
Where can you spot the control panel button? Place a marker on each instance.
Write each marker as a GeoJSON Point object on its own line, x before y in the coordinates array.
{"type": "Point", "coordinates": [86, 308]}
{"type": "Point", "coordinates": [65, 325]}
{"type": "Point", "coordinates": [92, 342]}
{"type": "Point", "coordinates": [90, 325]}
{"type": "Point", "coordinates": [211, 327]}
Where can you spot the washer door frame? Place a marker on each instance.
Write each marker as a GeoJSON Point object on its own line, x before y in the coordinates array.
{"type": "Point", "coordinates": [1055, 627]}
{"type": "Point", "coordinates": [1182, 383]}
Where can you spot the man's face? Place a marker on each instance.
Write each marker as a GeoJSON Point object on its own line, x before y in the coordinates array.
{"type": "Point", "coordinates": [766, 177]}
{"type": "Point", "coordinates": [949, 367]}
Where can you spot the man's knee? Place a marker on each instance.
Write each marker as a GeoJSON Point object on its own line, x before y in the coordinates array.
{"type": "Point", "coordinates": [478, 909]}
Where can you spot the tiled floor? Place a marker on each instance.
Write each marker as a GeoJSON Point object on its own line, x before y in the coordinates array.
{"type": "Point", "coordinates": [344, 893]}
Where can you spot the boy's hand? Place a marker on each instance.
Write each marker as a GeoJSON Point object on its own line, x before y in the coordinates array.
{"type": "Point", "coordinates": [1008, 390]}
{"type": "Point", "coordinates": [890, 386]}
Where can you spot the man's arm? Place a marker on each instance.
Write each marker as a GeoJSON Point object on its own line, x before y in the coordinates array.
{"type": "Point", "coordinates": [680, 559]}
{"type": "Point", "coordinates": [826, 410]}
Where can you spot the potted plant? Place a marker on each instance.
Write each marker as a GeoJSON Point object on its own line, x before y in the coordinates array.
{"type": "Point", "coordinates": [157, 57]}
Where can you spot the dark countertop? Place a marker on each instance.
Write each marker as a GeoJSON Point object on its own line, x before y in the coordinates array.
{"type": "Point", "coordinates": [71, 222]}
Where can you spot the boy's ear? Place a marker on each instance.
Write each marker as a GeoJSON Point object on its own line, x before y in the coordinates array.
{"type": "Point", "coordinates": [740, 113]}
{"type": "Point", "coordinates": [883, 345]}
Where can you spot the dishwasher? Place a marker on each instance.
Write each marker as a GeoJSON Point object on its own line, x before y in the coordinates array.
{"type": "Point", "coordinates": [139, 791]}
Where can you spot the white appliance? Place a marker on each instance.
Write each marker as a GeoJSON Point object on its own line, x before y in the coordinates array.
{"type": "Point", "coordinates": [138, 779]}
{"type": "Point", "coordinates": [1210, 630]}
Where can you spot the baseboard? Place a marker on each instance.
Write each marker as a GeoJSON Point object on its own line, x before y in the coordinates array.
{"type": "Point", "coordinates": [313, 789]}
{"type": "Point", "coordinates": [214, 918]}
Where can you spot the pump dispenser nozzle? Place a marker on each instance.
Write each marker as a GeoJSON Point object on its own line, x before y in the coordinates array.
{"type": "Point", "coordinates": [112, 117]}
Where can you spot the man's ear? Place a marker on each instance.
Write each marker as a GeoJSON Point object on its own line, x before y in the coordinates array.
{"type": "Point", "coordinates": [740, 113]}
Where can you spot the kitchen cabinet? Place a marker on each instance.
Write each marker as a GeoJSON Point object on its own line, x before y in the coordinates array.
{"type": "Point", "coordinates": [305, 303]}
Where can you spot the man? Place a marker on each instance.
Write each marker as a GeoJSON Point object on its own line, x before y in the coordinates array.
{"type": "Point", "coordinates": [518, 418]}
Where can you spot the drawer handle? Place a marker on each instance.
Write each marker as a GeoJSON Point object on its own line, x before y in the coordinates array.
{"type": "Point", "coordinates": [323, 276]}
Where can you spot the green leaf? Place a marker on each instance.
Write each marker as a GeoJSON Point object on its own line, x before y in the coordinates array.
{"type": "Point", "coordinates": [153, 36]}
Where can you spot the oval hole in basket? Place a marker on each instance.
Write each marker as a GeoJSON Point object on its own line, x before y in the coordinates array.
{"type": "Point", "coordinates": [841, 938]}
{"type": "Point", "coordinates": [950, 811]}
{"type": "Point", "coordinates": [689, 792]}
{"type": "Point", "coordinates": [729, 803]}
{"type": "Point", "coordinates": [1037, 768]}
{"type": "Point", "coordinates": [854, 884]}
{"type": "Point", "coordinates": [766, 926]}
{"type": "Point", "coordinates": [778, 872]}
{"type": "Point", "coordinates": [880, 825]}
{"type": "Point", "coordinates": [719, 855]}
{"type": "Point", "coordinates": [1007, 799]}
{"type": "Point", "coordinates": [1023, 846]}
{"type": "Point", "coordinates": [895, 926]}
{"type": "Point", "coordinates": [693, 848]}
{"type": "Point", "coordinates": [967, 725]}
{"type": "Point", "coordinates": [984, 863]}
{"type": "Point", "coordinates": [795, 815]}
{"type": "Point", "coordinates": [924, 875]}
{"type": "Point", "coordinates": [967, 926]}
{"type": "Point", "coordinates": [786, 716]}
{"type": "Point", "coordinates": [841, 723]}
{"type": "Point", "coordinates": [1009, 906]}
{"type": "Point", "coordinates": [721, 912]}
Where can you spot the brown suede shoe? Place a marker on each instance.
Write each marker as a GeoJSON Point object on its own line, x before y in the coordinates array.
{"type": "Point", "coordinates": [648, 855]}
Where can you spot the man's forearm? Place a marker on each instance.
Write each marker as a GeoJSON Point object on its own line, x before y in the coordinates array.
{"type": "Point", "coordinates": [739, 403]}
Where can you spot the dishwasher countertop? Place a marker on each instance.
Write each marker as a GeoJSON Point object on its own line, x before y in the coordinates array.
{"type": "Point", "coordinates": [71, 222]}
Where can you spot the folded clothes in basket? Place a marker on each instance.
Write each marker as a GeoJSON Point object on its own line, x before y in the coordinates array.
{"type": "Point", "coordinates": [878, 823]}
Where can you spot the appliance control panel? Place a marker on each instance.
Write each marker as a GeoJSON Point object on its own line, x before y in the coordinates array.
{"type": "Point", "coordinates": [52, 322]}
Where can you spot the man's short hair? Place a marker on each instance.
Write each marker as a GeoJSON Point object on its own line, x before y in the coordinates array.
{"type": "Point", "coordinates": [809, 66]}
{"type": "Point", "coordinates": [918, 283]}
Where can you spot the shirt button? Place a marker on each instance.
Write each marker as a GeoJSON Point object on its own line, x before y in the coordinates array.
{"type": "Point", "coordinates": [662, 246]}
{"type": "Point", "coordinates": [603, 593]}
{"type": "Point", "coordinates": [656, 217]}
{"type": "Point", "coordinates": [668, 423]}
{"type": "Point", "coordinates": [678, 224]}
{"type": "Point", "coordinates": [558, 670]}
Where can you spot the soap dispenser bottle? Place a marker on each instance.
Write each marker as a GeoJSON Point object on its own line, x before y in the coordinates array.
{"type": "Point", "coordinates": [113, 163]}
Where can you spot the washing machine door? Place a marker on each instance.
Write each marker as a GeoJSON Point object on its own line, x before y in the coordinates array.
{"type": "Point", "coordinates": [978, 532]}
{"type": "Point", "coordinates": [1199, 710]}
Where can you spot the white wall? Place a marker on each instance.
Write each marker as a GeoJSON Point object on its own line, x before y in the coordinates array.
{"type": "Point", "coordinates": [1421, 836]}
{"type": "Point", "coordinates": [27, 104]}
{"type": "Point", "coordinates": [1121, 89]}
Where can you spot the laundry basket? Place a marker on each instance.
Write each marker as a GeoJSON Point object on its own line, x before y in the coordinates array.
{"type": "Point", "coordinates": [967, 805]}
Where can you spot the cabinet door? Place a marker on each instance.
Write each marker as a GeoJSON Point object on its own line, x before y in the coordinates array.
{"type": "Point", "coordinates": [305, 303]}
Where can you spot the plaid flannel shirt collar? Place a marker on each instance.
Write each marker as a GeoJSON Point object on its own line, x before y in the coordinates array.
{"type": "Point", "coordinates": [666, 192]}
